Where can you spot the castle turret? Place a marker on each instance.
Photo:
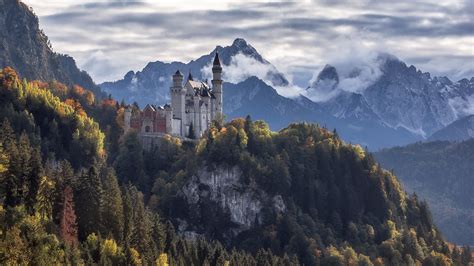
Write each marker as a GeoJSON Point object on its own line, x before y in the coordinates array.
{"type": "Point", "coordinates": [217, 86]}
{"type": "Point", "coordinates": [177, 98]}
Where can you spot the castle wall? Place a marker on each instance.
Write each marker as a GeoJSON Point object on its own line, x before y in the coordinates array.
{"type": "Point", "coordinates": [176, 127]}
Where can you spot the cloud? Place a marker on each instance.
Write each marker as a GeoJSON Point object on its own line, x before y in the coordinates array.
{"type": "Point", "coordinates": [296, 36]}
{"type": "Point", "coordinates": [462, 106]}
{"type": "Point", "coordinates": [358, 65]}
{"type": "Point", "coordinates": [242, 67]}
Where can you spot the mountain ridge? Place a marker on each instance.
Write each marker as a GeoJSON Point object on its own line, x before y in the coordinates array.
{"type": "Point", "coordinates": [395, 100]}
{"type": "Point", "coordinates": [154, 80]}
{"type": "Point", "coordinates": [26, 48]}
{"type": "Point", "coordinates": [459, 130]}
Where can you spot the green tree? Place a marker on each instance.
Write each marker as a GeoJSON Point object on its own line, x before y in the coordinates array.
{"type": "Point", "coordinates": [112, 215]}
{"type": "Point", "coordinates": [130, 164]}
{"type": "Point", "coordinates": [89, 202]}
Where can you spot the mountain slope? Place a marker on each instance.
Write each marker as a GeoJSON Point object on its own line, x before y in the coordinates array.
{"type": "Point", "coordinates": [441, 173]}
{"type": "Point", "coordinates": [461, 129]}
{"type": "Point", "coordinates": [399, 96]}
{"type": "Point", "coordinates": [153, 82]}
{"type": "Point", "coordinates": [254, 97]}
{"type": "Point", "coordinates": [25, 47]}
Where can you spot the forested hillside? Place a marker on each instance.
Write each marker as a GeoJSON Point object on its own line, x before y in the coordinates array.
{"type": "Point", "coordinates": [440, 172]}
{"type": "Point", "coordinates": [61, 202]}
{"type": "Point", "coordinates": [299, 191]}
{"type": "Point", "coordinates": [74, 191]}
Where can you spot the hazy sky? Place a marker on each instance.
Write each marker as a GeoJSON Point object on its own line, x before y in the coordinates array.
{"type": "Point", "coordinates": [109, 38]}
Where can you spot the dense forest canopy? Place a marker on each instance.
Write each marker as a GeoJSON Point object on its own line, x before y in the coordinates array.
{"type": "Point", "coordinates": [442, 173]}
{"type": "Point", "coordinates": [75, 189]}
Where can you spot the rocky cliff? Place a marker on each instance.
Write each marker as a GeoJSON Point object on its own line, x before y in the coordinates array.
{"type": "Point", "coordinates": [240, 203]}
{"type": "Point", "coordinates": [25, 47]}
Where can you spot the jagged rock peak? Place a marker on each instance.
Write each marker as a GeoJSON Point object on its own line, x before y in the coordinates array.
{"type": "Point", "coordinates": [328, 73]}
{"type": "Point", "coordinates": [239, 42]}
{"type": "Point", "coordinates": [129, 75]}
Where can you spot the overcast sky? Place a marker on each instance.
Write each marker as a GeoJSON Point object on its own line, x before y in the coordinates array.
{"type": "Point", "coordinates": [109, 38]}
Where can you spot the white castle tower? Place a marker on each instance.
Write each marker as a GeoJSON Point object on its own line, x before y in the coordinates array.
{"type": "Point", "coordinates": [217, 88]}
{"type": "Point", "coordinates": [177, 100]}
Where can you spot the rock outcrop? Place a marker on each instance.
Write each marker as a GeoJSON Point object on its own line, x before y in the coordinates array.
{"type": "Point", "coordinates": [25, 47]}
{"type": "Point", "coordinates": [242, 204]}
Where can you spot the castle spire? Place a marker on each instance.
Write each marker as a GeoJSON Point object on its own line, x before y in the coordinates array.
{"type": "Point", "coordinates": [217, 62]}
{"type": "Point", "coordinates": [190, 76]}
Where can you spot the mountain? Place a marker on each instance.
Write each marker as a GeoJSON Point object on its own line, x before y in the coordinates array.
{"type": "Point", "coordinates": [461, 129]}
{"type": "Point", "coordinates": [25, 47]}
{"type": "Point", "coordinates": [441, 173]}
{"type": "Point", "coordinates": [387, 105]}
{"type": "Point", "coordinates": [398, 96]}
{"type": "Point", "coordinates": [153, 82]}
{"type": "Point", "coordinates": [253, 96]}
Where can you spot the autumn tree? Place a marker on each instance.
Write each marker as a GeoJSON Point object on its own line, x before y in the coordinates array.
{"type": "Point", "coordinates": [68, 226]}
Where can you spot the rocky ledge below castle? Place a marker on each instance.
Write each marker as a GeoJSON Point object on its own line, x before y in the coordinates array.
{"type": "Point", "coordinates": [222, 193]}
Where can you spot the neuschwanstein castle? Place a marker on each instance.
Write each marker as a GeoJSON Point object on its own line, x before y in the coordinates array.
{"type": "Point", "coordinates": [193, 106]}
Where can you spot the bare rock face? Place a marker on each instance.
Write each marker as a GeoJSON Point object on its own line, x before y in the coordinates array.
{"type": "Point", "coordinates": [25, 47]}
{"type": "Point", "coordinates": [223, 186]}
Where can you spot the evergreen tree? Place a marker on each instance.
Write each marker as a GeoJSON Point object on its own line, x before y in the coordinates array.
{"type": "Point", "coordinates": [35, 179]}
{"type": "Point", "coordinates": [19, 171]}
{"type": "Point", "coordinates": [129, 163]}
{"type": "Point", "coordinates": [89, 202]}
{"type": "Point", "coordinates": [112, 215]}
{"type": "Point", "coordinates": [45, 198]}
{"type": "Point", "coordinates": [142, 230]}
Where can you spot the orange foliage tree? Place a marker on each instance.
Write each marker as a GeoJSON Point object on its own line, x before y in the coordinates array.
{"type": "Point", "coordinates": [68, 226]}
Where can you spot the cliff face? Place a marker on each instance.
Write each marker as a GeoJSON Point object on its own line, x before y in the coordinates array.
{"type": "Point", "coordinates": [241, 205]}
{"type": "Point", "coordinates": [25, 47]}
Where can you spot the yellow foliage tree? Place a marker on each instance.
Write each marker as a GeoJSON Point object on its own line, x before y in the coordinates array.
{"type": "Point", "coordinates": [135, 257]}
{"type": "Point", "coordinates": [109, 248]}
{"type": "Point", "coordinates": [3, 162]}
{"type": "Point", "coordinates": [162, 260]}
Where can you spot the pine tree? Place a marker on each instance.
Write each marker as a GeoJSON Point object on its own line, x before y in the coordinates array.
{"type": "Point", "coordinates": [88, 202]}
{"type": "Point", "coordinates": [45, 198]}
{"type": "Point", "coordinates": [142, 230]}
{"type": "Point", "coordinates": [112, 215]}
{"type": "Point", "coordinates": [19, 170]}
{"type": "Point", "coordinates": [7, 135]}
{"type": "Point", "coordinates": [129, 164]}
{"type": "Point", "coordinates": [68, 226]}
{"type": "Point", "coordinates": [34, 179]}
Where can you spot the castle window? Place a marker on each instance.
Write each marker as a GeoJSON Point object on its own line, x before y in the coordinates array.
{"type": "Point", "coordinates": [147, 129]}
